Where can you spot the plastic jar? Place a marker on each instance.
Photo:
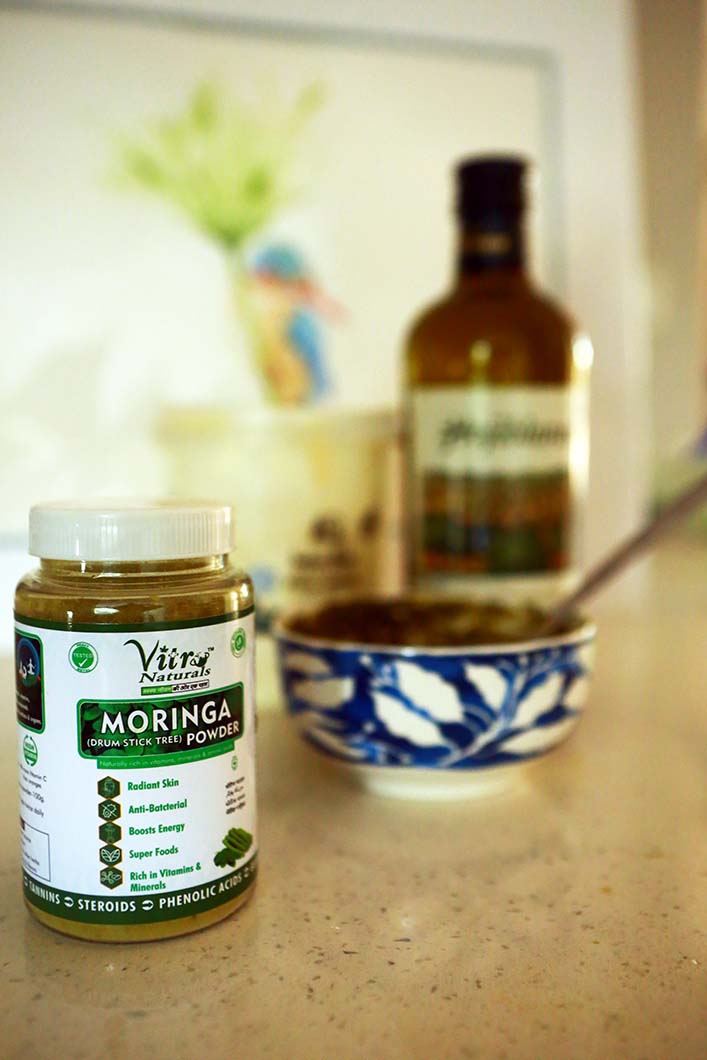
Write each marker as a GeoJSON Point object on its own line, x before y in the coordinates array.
{"type": "Point", "coordinates": [134, 650]}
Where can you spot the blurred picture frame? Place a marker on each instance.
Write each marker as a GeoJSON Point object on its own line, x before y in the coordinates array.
{"type": "Point", "coordinates": [150, 291]}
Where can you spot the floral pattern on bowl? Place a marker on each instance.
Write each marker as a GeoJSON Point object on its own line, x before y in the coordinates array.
{"type": "Point", "coordinates": [460, 709]}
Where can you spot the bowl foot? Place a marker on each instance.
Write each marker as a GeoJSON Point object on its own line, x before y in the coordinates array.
{"type": "Point", "coordinates": [431, 784]}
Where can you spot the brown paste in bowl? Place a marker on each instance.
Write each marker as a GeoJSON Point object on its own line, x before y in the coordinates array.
{"type": "Point", "coordinates": [424, 623]}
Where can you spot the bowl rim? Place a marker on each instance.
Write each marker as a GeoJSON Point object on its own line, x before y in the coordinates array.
{"type": "Point", "coordinates": [584, 633]}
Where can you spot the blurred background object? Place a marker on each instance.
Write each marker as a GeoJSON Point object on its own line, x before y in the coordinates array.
{"type": "Point", "coordinates": [230, 169]}
{"type": "Point", "coordinates": [495, 399]}
{"type": "Point", "coordinates": [299, 168]}
{"type": "Point", "coordinates": [311, 488]}
{"type": "Point", "coordinates": [672, 92]}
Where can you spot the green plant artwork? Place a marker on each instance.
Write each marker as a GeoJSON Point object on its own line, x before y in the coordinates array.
{"type": "Point", "coordinates": [231, 169]}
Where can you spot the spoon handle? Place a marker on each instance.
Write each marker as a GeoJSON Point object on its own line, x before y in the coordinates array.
{"type": "Point", "coordinates": [629, 550]}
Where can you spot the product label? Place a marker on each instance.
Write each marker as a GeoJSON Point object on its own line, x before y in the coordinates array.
{"type": "Point", "coordinates": [491, 479]}
{"type": "Point", "coordinates": [137, 767]}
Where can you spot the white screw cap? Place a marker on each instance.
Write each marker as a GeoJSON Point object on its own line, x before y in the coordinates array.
{"type": "Point", "coordinates": [130, 530]}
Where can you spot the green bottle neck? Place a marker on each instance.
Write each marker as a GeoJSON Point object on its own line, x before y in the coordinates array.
{"type": "Point", "coordinates": [491, 247]}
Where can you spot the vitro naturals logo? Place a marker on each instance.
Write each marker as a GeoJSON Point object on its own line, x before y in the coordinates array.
{"type": "Point", "coordinates": [162, 664]}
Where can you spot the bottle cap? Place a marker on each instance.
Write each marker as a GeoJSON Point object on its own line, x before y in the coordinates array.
{"type": "Point", "coordinates": [130, 531]}
{"type": "Point", "coordinates": [490, 185]}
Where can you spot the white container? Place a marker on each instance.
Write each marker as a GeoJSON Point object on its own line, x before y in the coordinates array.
{"type": "Point", "coordinates": [309, 490]}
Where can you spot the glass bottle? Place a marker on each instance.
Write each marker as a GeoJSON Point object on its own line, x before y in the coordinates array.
{"type": "Point", "coordinates": [495, 406]}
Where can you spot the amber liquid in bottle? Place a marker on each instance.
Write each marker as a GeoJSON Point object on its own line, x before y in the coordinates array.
{"type": "Point", "coordinates": [495, 418]}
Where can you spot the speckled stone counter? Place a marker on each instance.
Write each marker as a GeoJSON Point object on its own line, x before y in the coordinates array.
{"type": "Point", "coordinates": [565, 919]}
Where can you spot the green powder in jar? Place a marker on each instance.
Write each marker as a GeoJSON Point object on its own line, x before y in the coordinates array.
{"type": "Point", "coordinates": [134, 649]}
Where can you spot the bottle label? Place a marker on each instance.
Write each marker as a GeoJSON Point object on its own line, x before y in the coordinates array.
{"type": "Point", "coordinates": [136, 758]}
{"type": "Point", "coordinates": [491, 479]}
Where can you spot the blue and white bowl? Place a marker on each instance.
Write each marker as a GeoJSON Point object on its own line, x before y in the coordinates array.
{"type": "Point", "coordinates": [435, 722]}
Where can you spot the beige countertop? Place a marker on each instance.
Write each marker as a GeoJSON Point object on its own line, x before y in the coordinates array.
{"type": "Point", "coordinates": [565, 919]}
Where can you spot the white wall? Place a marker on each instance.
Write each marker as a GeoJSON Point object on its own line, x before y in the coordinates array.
{"type": "Point", "coordinates": [669, 39]}
{"type": "Point", "coordinates": [592, 43]}
{"type": "Point", "coordinates": [136, 309]}
{"type": "Point", "coordinates": [588, 47]}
